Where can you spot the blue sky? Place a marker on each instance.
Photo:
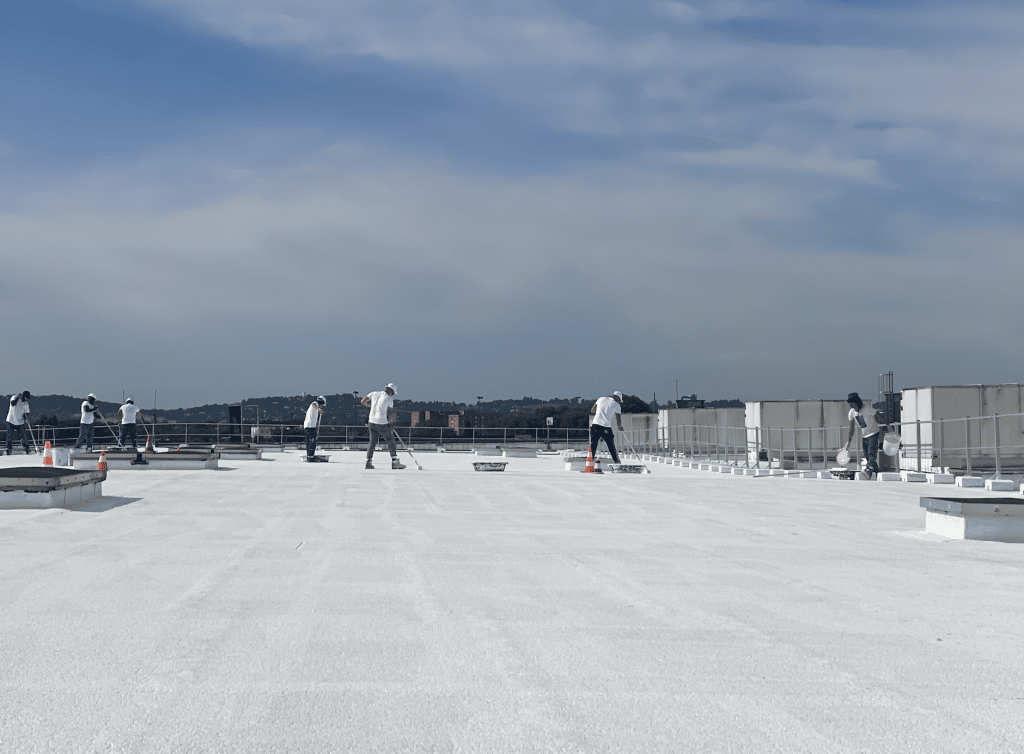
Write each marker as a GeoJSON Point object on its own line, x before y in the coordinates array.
{"type": "Point", "coordinates": [220, 199]}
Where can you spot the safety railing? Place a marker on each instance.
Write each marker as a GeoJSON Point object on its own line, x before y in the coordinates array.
{"type": "Point", "coordinates": [990, 445]}
{"type": "Point", "coordinates": [330, 435]}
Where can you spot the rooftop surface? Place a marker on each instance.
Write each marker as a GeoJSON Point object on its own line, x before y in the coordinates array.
{"type": "Point", "coordinates": [278, 606]}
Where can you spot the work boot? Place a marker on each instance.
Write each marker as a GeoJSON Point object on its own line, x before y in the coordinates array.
{"type": "Point", "coordinates": [369, 463]}
{"type": "Point", "coordinates": [396, 464]}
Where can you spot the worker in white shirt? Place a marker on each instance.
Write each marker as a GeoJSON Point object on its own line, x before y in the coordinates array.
{"type": "Point", "coordinates": [129, 429]}
{"type": "Point", "coordinates": [312, 425]}
{"type": "Point", "coordinates": [382, 412]}
{"type": "Point", "coordinates": [604, 409]}
{"type": "Point", "coordinates": [17, 419]}
{"type": "Point", "coordinates": [87, 424]}
{"type": "Point", "coordinates": [871, 422]}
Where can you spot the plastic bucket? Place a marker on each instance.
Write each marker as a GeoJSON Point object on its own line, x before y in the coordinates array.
{"type": "Point", "coordinates": [891, 444]}
{"type": "Point", "coordinates": [843, 457]}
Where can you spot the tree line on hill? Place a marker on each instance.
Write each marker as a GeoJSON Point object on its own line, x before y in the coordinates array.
{"type": "Point", "coordinates": [344, 408]}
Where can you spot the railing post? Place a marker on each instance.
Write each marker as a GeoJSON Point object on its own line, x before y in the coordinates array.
{"type": "Point", "coordinates": [942, 445]}
{"type": "Point", "coordinates": [995, 421]}
{"type": "Point", "coordinates": [919, 444]}
{"type": "Point", "coordinates": [186, 433]}
{"type": "Point", "coordinates": [824, 448]}
{"type": "Point", "coordinates": [967, 442]}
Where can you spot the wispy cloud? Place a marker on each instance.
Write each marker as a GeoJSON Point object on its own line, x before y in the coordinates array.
{"type": "Point", "coordinates": [819, 161]}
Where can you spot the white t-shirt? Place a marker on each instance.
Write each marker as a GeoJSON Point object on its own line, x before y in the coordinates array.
{"type": "Point", "coordinates": [88, 416]}
{"type": "Point", "coordinates": [16, 413]}
{"type": "Point", "coordinates": [380, 402]}
{"type": "Point", "coordinates": [311, 414]}
{"type": "Point", "coordinates": [128, 412]}
{"type": "Point", "coordinates": [606, 410]}
{"type": "Point", "coordinates": [865, 419]}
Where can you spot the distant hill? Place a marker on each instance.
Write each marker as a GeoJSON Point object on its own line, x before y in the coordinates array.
{"type": "Point", "coordinates": [342, 408]}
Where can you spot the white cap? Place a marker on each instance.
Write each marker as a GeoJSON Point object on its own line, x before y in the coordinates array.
{"type": "Point", "coordinates": [92, 395]}
{"type": "Point", "coordinates": [392, 386]}
{"type": "Point", "coordinates": [320, 399]}
{"type": "Point", "coordinates": [617, 393]}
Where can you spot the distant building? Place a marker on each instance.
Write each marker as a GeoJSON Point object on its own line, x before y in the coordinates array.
{"type": "Point", "coordinates": [690, 402]}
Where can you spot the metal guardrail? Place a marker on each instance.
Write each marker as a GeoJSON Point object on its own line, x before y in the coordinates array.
{"type": "Point", "coordinates": [211, 433]}
{"type": "Point", "coordinates": [988, 445]}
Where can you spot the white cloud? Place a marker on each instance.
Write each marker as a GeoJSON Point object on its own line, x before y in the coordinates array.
{"type": "Point", "coordinates": [819, 161]}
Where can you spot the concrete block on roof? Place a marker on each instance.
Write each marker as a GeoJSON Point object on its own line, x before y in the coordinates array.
{"type": "Point", "coordinates": [913, 476]}
{"type": "Point", "coordinates": [998, 519]}
{"type": "Point", "coordinates": [889, 476]}
{"type": "Point", "coordinates": [969, 481]}
{"type": "Point", "coordinates": [940, 478]}
{"type": "Point", "coordinates": [1000, 485]}
{"type": "Point", "coordinates": [47, 487]}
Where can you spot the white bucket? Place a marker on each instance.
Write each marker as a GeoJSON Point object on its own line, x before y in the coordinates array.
{"type": "Point", "coordinates": [843, 457]}
{"type": "Point", "coordinates": [891, 444]}
{"type": "Point", "coordinates": [61, 456]}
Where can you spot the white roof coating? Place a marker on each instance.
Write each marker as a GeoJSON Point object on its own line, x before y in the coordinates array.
{"type": "Point", "coordinates": [279, 606]}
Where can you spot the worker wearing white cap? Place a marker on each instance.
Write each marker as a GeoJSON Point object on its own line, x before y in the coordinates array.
{"type": "Point", "coordinates": [87, 424]}
{"type": "Point", "coordinates": [382, 415]}
{"type": "Point", "coordinates": [130, 413]}
{"type": "Point", "coordinates": [17, 419]}
{"type": "Point", "coordinates": [312, 425]}
{"type": "Point", "coordinates": [601, 429]}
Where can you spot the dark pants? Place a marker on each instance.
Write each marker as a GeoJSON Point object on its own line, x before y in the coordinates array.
{"type": "Point", "coordinates": [598, 433]}
{"type": "Point", "coordinates": [311, 433]}
{"type": "Point", "coordinates": [871, 452]}
{"type": "Point", "coordinates": [131, 432]}
{"type": "Point", "coordinates": [384, 432]}
{"type": "Point", "coordinates": [85, 433]}
{"type": "Point", "coordinates": [22, 430]}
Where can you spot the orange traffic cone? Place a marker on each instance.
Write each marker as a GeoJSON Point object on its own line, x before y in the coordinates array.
{"type": "Point", "coordinates": [47, 454]}
{"type": "Point", "coordinates": [597, 465]}
{"type": "Point", "coordinates": [102, 465]}
{"type": "Point", "coordinates": [149, 445]}
{"type": "Point", "coordinates": [589, 468]}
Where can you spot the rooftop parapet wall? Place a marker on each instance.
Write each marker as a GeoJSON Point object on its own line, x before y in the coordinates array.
{"type": "Point", "coordinates": [807, 430]}
{"type": "Point", "coordinates": [957, 425]}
